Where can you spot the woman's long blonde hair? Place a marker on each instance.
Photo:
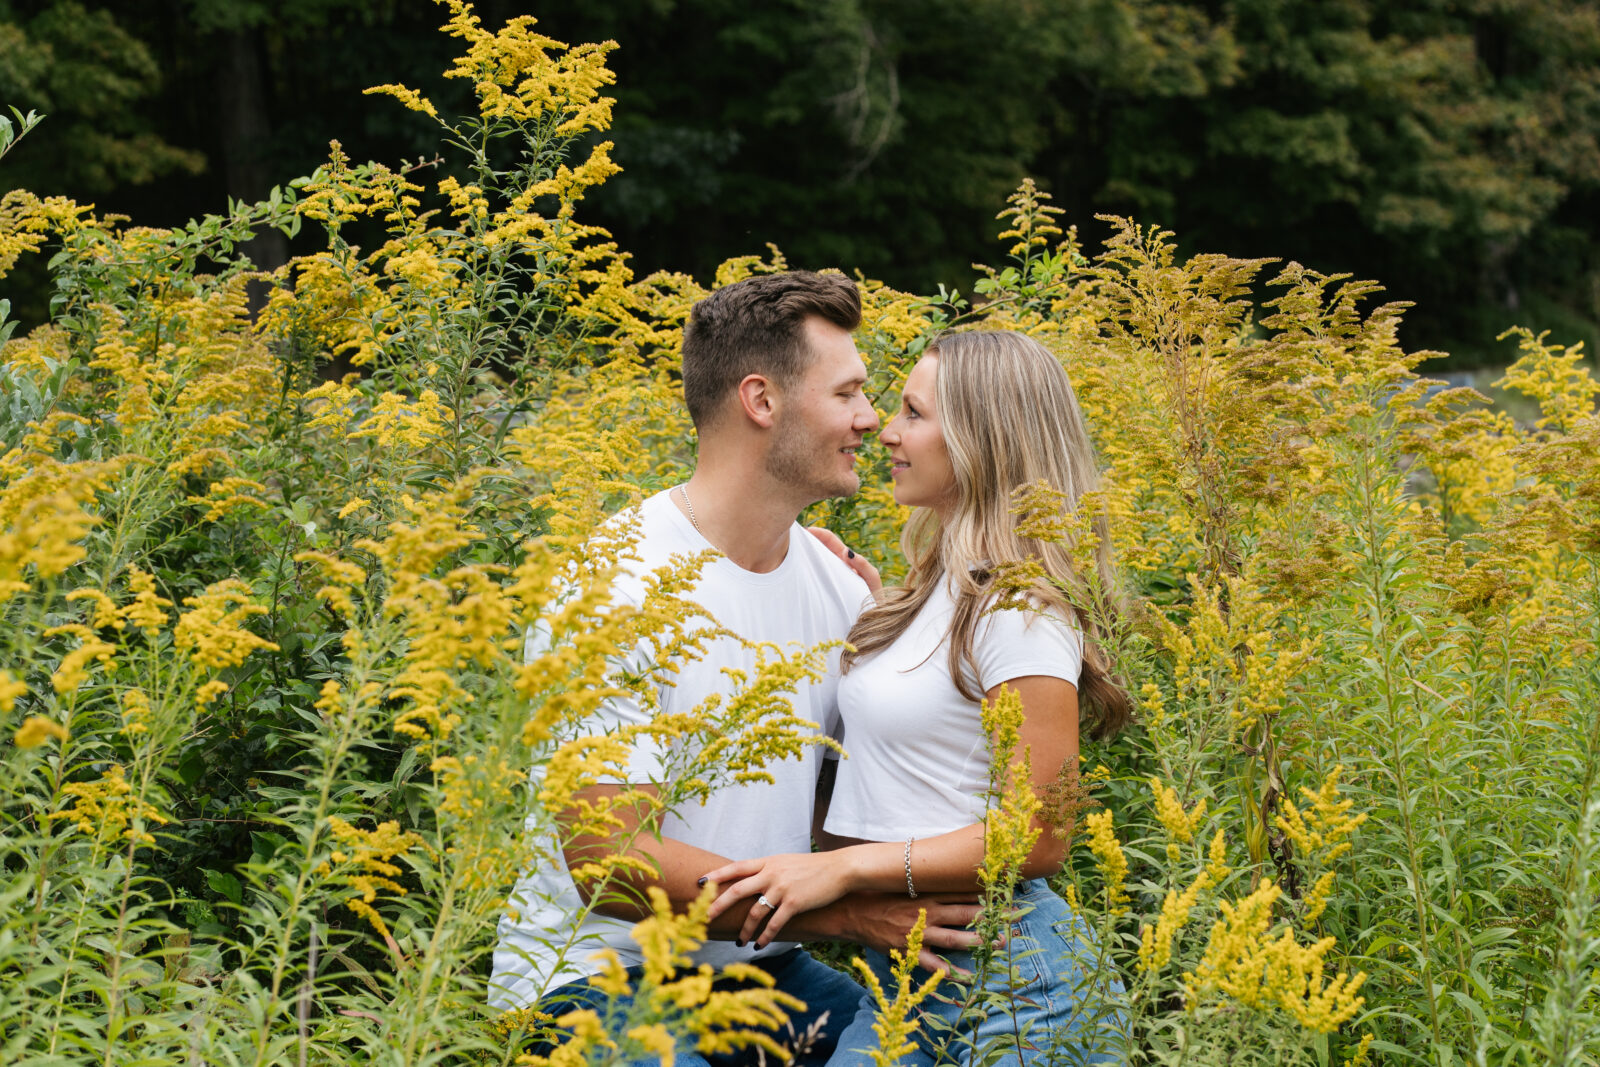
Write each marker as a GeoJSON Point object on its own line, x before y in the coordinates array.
{"type": "Point", "coordinates": [1011, 421]}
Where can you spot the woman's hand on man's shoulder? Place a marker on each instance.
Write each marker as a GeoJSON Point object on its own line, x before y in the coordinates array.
{"type": "Point", "coordinates": [851, 558]}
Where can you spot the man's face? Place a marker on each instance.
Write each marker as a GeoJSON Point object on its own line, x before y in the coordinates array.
{"type": "Point", "coordinates": [823, 417]}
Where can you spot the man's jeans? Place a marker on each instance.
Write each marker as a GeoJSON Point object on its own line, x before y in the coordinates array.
{"type": "Point", "coordinates": [825, 991]}
{"type": "Point", "coordinates": [1045, 1003]}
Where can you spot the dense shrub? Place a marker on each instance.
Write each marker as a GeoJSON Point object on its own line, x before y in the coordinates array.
{"type": "Point", "coordinates": [269, 720]}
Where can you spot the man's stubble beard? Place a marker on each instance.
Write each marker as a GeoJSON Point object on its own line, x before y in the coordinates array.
{"type": "Point", "coordinates": [796, 461]}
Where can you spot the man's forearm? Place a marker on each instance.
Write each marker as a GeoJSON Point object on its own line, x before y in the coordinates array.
{"type": "Point", "coordinates": [678, 868]}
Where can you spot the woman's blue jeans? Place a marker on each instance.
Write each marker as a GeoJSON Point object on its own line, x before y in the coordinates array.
{"type": "Point", "coordinates": [1044, 999]}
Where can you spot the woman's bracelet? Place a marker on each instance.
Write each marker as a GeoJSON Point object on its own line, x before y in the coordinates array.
{"type": "Point", "coordinates": [910, 888]}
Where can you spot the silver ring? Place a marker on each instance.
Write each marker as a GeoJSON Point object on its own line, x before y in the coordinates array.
{"type": "Point", "coordinates": [764, 902]}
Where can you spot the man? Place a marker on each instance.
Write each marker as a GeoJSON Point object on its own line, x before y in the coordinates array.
{"type": "Point", "coordinates": [774, 385]}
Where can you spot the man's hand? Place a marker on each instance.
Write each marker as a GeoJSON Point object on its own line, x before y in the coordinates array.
{"type": "Point", "coordinates": [883, 921]}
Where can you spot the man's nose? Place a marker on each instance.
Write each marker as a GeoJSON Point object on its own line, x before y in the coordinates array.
{"type": "Point", "coordinates": [872, 420]}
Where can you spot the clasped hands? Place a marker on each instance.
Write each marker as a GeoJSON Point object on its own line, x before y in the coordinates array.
{"type": "Point", "coordinates": [789, 884]}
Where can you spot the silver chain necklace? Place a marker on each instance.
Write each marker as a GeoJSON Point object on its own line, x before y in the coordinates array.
{"type": "Point", "coordinates": [683, 491]}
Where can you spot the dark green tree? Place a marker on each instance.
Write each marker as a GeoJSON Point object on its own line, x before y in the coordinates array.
{"type": "Point", "coordinates": [95, 81]}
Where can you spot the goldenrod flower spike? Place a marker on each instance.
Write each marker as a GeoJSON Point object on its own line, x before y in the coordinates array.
{"type": "Point", "coordinates": [1109, 858]}
{"type": "Point", "coordinates": [1009, 832]}
{"type": "Point", "coordinates": [36, 730]}
{"type": "Point", "coordinates": [107, 809]}
{"type": "Point", "coordinates": [1242, 963]}
{"type": "Point", "coordinates": [896, 1025]}
{"type": "Point", "coordinates": [1180, 825]}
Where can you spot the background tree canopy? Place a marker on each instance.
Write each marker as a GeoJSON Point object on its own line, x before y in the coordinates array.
{"type": "Point", "coordinates": [1449, 149]}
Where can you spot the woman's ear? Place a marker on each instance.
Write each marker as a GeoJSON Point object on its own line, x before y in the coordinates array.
{"type": "Point", "coordinates": [758, 400]}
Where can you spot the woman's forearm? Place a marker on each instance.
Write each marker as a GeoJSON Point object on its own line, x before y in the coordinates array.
{"type": "Point", "coordinates": [947, 863]}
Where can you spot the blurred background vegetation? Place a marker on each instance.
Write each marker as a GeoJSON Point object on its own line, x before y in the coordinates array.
{"type": "Point", "coordinates": [1449, 148]}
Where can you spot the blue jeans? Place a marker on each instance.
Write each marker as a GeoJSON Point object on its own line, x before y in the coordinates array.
{"type": "Point", "coordinates": [1044, 1000]}
{"type": "Point", "coordinates": [825, 991]}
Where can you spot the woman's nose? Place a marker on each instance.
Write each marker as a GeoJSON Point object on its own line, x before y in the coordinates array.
{"type": "Point", "coordinates": [890, 434]}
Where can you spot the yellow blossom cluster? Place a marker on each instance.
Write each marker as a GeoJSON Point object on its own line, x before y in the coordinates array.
{"type": "Point", "coordinates": [1010, 829]}
{"type": "Point", "coordinates": [1243, 963]}
{"type": "Point", "coordinates": [364, 861]}
{"type": "Point", "coordinates": [1321, 835]}
{"type": "Point", "coordinates": [229, 495]}
{"type": "Point", "coordinates": [108, 808]}
{"type": "Point", "coordinates": [1180, 824]}
{"type": "Point", "coordinates": [11, 689]}
{"type": "Point", "coordinates": [1327, 824]}
{"type": "Point", "coordinates": [213, 631]}
{"type": "Point", "coordinates": [26, 222]}
{"type": "Point", "coordinates": [1155, 943]}
{"type": "Point", "coordinates": [1109, 859]}
{"type": "Point", "coordinates": [36, 730]}
{"type": "Point", "coordinates": [43, 515]}
{"type": "Point", "coordinates": [148, 609]}
{"type": "Point", "coordinates": [74, 668]}
{"type": "Point", "coordinates": [719, 1020]}
{"type": "Point", "coordinates": [394, 421]}
{"type": "Point", "coordinates": [896, 1024]}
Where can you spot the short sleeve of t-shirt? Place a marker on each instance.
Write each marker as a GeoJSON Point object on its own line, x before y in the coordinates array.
{"type": "Point", "coordinates": [647, 760]}
{"type": "Point", "coordinates": [1018, 642]}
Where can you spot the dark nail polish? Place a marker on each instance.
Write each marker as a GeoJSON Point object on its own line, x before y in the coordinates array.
{"type": "Point", "coordinates": [850, 552]}
{"type": "Point", "coordinates": [740, 944]}
{"type": "Point", "coordinates": [701, 881]}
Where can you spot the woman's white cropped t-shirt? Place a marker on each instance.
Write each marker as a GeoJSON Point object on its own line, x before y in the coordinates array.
{"type": "Point", "coordinates": [917, 759]}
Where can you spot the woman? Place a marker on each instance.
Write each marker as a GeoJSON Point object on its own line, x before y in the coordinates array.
{"type": "Point", "coordinates": [982, 416]}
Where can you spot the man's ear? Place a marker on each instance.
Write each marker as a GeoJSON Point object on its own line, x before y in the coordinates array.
{"type": "Point", "coordinates": [758, 400]}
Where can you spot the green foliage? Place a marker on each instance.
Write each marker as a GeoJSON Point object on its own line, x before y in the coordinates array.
{"type": "Point", "coordinates": [267, 719]}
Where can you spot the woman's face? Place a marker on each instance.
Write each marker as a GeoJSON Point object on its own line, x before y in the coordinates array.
{"type": "Point", "coordinates": [922, 473]}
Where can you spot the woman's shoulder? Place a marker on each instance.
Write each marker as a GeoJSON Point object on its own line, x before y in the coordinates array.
{"type": "Point", "coordinates": [1012, 618]}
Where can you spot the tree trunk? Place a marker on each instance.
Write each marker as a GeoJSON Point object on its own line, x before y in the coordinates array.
{"type": "Point", "coordinates": [246, 132]}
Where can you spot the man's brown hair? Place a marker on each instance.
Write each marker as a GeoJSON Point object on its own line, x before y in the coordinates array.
{"type": "Point", "coordinates": [757, 327]}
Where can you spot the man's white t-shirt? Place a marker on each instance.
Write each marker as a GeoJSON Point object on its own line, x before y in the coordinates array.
{"type": "Point", "coordinates": [918, 761]}
{"type": "Point", "coordinates": [811, 597]}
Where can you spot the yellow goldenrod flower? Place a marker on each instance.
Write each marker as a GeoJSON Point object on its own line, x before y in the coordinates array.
{"type": "Point", "coordinates": [1180, 825]}
{"type": "Point", "coordinates": [1241, 962]}
{"type": "Point", "coordinates": [895, 1024]}
{"type": "Point", "coordinates": [209, 692]}
{"type": "Point", "coordinates": [1217, 868]}
{"type": "Point", "coordinates": [1155, 945]}
{"type": "Point", "coordinates": [213, 631]}
{"type": "Point", "coordinates": [73, 670]}
{"type": "Point", "coordinates": [107, 616]}
{"type": "Point", "coordinates": [10, 689]}
{"type": "Point", "coordinates": [1109, 858]}
{"type": "Point", "coordinates": [36, 730]}
{"type": "Point", "coordinates": [147, 611]}
{"type": "Point", "coordinates": [371, 854]}
{"type": "Point", "coordinates": [135, 712]}
{"type": "Point", "coordinates": [108, 808]}
{"type": "Point", "coordinates": [1009, 832]}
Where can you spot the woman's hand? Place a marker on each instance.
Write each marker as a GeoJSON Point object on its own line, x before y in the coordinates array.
{"type": "Point", "coordinates": [852, 559]}
{"type": "Point", "coordinates": [789, 884]}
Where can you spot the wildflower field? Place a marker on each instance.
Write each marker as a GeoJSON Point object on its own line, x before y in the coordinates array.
{"type": "Point", "coordinates": [267, 722]}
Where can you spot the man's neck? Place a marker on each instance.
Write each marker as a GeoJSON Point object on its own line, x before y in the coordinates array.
{"type": "Point", "coordinates": [742, 514]}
